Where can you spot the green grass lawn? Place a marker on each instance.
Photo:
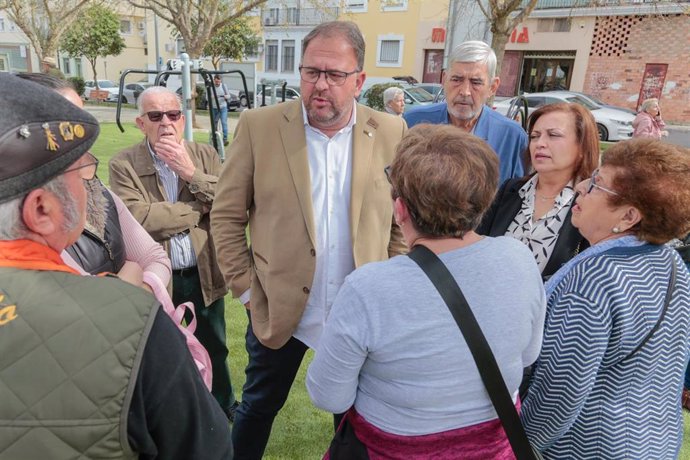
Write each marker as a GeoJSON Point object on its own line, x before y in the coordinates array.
{"type": "Point", "coordinates": [300, 430]}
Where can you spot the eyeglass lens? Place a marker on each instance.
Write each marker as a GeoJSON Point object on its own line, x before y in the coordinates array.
{"type": "Point", "coordinates": [173, 115]}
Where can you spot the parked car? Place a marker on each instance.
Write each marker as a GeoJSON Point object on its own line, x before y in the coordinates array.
{"type": "Point", "coordinates": [595, 100]}
{"type": "Point", "coordinates": [103, 85]}
{"type": "Point", "coordinates": [414, 95]}
{"type": "Point", "coordinates": [131, 92]}
{"type": "Point", "coordinates": [613, 124]}
{"type": "Point", "coordinates": [431, 88]}
{"type": "Point", "coordinates": [290, 94]}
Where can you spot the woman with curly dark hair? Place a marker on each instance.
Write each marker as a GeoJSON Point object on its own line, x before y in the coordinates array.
{"type": "Point", "coordinates": [608, 381]}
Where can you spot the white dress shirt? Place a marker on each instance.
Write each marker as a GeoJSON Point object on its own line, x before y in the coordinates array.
{"type": "Point", "coordinates": [330, 172]}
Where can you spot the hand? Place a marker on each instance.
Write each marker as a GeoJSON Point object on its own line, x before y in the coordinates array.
{"type": "Point", "coordinates": [175, 155]}
{"type": "Point", "coordinates": [132, 273]}
{"type": "Point", "coordinates": [664, 133]}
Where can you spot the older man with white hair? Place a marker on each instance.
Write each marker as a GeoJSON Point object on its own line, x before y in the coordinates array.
{"type": "Point", "coordinates": [469, 82]}
{"type": "Point", "coordinates": [169, 186]}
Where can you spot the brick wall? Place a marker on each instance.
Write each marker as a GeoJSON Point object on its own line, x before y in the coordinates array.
{"type": "Point", "coordinates": [621, 48]}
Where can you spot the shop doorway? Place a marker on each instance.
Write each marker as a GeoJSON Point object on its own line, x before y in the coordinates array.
{"type": "Point", "coordinates": [546, 74]}
{"type": "Point", "coordinates": [433, 65]}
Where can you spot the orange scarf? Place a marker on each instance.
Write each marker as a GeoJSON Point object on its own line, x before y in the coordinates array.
{"type": "Point", "coordinates": [30, 255]}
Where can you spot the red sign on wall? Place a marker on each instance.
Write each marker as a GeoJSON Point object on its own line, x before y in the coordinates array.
{"type": "Point", "coordinates": [438, 35]}
{"type": "Point", "coordinates": [652, 82]}
{"type": "Point", "coordinates": [522, 37]}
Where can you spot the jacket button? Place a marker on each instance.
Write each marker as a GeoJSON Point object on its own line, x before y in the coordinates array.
{"type": "Point", "coordinates": [305, 290]}
{"type": "Point", "coordinates": [312, 251]}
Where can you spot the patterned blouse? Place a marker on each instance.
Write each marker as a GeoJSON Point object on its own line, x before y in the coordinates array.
{"type": "Point", "coordinates": [540, 235]}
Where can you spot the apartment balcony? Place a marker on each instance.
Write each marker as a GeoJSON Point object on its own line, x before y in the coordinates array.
{"type": "Point", "coordinates": [288, 17]}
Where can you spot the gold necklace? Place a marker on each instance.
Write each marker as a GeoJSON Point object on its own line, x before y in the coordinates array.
{"type": "Point", "coordinates": [545, 198]}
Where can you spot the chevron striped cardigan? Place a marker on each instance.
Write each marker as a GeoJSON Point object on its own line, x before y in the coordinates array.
{"type": "Point", "coordinates": [588, 398]}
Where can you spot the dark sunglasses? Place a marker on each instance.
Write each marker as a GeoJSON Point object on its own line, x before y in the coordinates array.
{"type": "Point", "coordinates": [155, 115]}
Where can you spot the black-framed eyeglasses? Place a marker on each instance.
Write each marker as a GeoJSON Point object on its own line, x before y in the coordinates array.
{"type": "Point", "coordinates": [333, 77]}
{"type": "Point", "coordinates": [387, 171]}
{"type": "Point", "coordinates": [156, 115]}
{"type": "Point", "coordinates": [87, 170]}
{"type": "Point", "coordinates": [593, 184]}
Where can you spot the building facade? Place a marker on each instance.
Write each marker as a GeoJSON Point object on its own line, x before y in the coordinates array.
{"type": "Point", "coordinates": [621, 54]}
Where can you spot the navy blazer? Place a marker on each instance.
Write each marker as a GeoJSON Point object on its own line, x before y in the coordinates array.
{"type": "Point", "coordinates": [505, 207]}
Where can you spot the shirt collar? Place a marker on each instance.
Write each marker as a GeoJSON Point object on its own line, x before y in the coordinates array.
{"type": "Point", "coordinates": [528, 191]}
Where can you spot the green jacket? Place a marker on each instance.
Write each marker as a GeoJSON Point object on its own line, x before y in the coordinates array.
{"type": "Point", "coordinates": [71, 350]}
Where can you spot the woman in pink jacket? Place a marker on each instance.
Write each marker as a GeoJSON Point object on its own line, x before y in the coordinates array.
{"type": "Point", "coordinates": [648, 122]}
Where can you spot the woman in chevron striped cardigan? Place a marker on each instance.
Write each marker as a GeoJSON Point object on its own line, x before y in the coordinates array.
{"type": "Point", "coordinates": [609, 377]}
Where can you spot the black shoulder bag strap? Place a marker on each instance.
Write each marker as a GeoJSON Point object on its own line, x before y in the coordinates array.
{"type": "Point", "coordinates": [481, 352]}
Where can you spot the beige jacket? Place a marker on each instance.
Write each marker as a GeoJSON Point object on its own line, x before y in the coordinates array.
{"type": "Point", "coordinates": [265, 184]}
{"type": "Point", "coordinates": [134, 179]}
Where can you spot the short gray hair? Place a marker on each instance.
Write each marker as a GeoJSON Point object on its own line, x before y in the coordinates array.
{"type": "Point", "coordinates": [474, 51]}
{"type": "Point", "coordinates": [12, 225]}
{"type": "Point", "coordinates": [343, 29]}
{"type": "Point", "coordinates": [154, 91]}
{"type": "Point", "coordinates": [391, 93]}
{"type": "Point", "coordinates": [647, 103]}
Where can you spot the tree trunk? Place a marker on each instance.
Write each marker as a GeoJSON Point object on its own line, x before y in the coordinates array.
{"type": "Point", "coordinates": [498, 44]}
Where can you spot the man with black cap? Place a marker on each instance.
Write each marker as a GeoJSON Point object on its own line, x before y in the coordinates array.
{"type": "Point", "coordinates": [91, 366]}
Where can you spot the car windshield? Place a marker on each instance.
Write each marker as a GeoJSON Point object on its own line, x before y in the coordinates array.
{"type": "Point", "coordinates": [582, 101]}
{"type": "Point", "coordinates": [595, 99]}
{"type": "Point", "coordinates": [420, 95]}
{"type": "Point", "coordinates": [106, 84]}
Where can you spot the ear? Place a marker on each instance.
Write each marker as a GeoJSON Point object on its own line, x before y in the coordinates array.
{"type": "Point", "coordinates": [140, 122]}
{"type": "Point", "coordinates": [630, 218]}
{"type": "Point", "coordinates": [39, 212]}
{"type": "Point", "coordinates": [495, 84]}
{"type": "Point", "coordinates": [360, 81]}
{"type": "Point", "coordinates": [400, 212]}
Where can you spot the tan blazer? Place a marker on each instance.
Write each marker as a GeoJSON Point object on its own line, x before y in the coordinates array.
{"type": "Point", "coordinates": [265, 183]}
{"type": "Point", "coordinates": [134, 179]}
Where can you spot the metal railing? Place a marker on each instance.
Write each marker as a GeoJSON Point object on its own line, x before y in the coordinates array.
{"type": "Point", "coordinates": [550, 4]}
{"type": "Point", "coordinates": [281, 17]}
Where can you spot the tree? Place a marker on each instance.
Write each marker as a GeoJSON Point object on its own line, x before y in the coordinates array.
{"type": "Point", "coordinates": [235, 40]}
{"type": "Point", "coordinates": [197, 20]}
{"type": "Point", "coordinates": [95, 33]}
{"type": "Point", "coordinates": [503, 16]}
{"type": "Point", "coordinates": [44, 22]}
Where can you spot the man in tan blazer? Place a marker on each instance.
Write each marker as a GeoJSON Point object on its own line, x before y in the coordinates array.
{"type": "Point", "coordinates": [169, 186]}
{"type": "Point", "coordinates": [307, 178]}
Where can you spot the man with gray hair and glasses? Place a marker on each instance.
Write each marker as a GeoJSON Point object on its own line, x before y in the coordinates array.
{"type": "Point", "coordinates": [468, 83]}
{"type": "Point", "coordinates": [306, 177]}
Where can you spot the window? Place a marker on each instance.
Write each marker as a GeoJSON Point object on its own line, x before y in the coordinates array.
{"type": "Point", "coordinates": [77, 67]}
{"type": "Point", "coordinates": [65, 65]}
{"type": "Point", "coordinates": [561, 25]}
{"type": "Point", "coordinates": [2, 24]}
{"type": "Point", "coordinates": [271, 56]}
{"type": "Point", "coordinates": [3, 63]}
{"type": "Point", "coordinates": [356, 6]}
{"type": "Point", "coordinates": [393, 5]}
{"type": "Point", "coordinates": [293, 15]}
{"type": "Point", "coordinates": [389, 51]}
{"type": "Point", "coordinates": [126, 26]}
{"type": "Point", "coordinates": [553, 25]}
{"type": "Point", "coordinates": [288, 56]}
